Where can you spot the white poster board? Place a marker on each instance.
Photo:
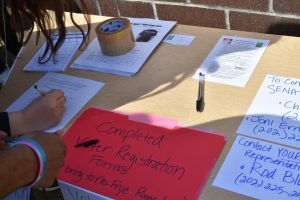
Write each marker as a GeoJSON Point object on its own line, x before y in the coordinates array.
{"type": "Point", "coordinates": [261, 170]}
{"type": "Point", "coordinates": [274, 112]}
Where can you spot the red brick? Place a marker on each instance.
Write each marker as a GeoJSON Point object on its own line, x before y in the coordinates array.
{"type": "Point", "coordinates": [261, 5]}
{"type": "Point", "coordinates": [287, 6]}
{"type": "Point", "coordinates": [191, 15]}
{"type": "Point", "coordinates": [126, 8]}
{"type": "Point", "coordinates": [108, 8]}
{"type": "Point", "coordinates": [264, 24]}
{"type": "Point", "coordinates": [182, 1]}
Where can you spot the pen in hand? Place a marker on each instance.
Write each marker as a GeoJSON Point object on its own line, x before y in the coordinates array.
{"type": "Point", "coordinates": [39, 91]}
{"type": "Point", "coordinates": [200, 100]}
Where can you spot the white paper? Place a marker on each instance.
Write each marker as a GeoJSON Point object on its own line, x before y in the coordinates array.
{"type": "Point", "coordinates": [20, 194]}
{"type": "Point", "coordinates": [73, 192]}
{"type": "Point", "coordinates": [232, 60]}
{"type": "Point", "coordinates": [130, 63]}
{"type": "Point", "coordinates": [78, 91]}
{"type": "Point", "coordinates": [275, 112]}
{"type": "Point", "coordinates": [261, 170]}
{"type": "Point", "coordinates": [62, 58]}
{"type": "Point", "coordinates": [179, 39]}
{"type": "Point", "coordinates": [6, 74]}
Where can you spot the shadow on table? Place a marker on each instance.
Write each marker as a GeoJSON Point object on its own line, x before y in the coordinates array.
{"type": "Point", "coordinates": [158, 77]}
{"type": "Point", "coordinates": [284, 29]}
{"type": "Point", "coordinates": [167, 76]}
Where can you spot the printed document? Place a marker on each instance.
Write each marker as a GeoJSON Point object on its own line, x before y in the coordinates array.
{"type": "Point", "coordinates": [232, 60]}
{"type": "Point", "coordinates": [130, 63]}
{"type": "Point", "coordinates": [78, 91]}
{"type": "Point", "coordinates": [61, 59]}
{"type": "Point", "coordinates": [4, 76]}
{"type": "Point", "coordinates": [274, 112]}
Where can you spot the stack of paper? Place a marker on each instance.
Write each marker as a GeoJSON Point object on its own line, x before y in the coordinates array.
{"type": "Point", "coordinates": [78, 91]}
{"type": "Point", "coordinates": [62, 58]}
{"type": "Point", "coordinates": [262, 166]}
{"type": "Point", "coordinates": [130, 63]}
{"type": "Point", "coordinates": [4, 76]}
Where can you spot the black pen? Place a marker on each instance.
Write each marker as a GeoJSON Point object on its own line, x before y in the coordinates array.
{"type": "Point", "coordinates": [200, 100]}
{"type": "Point", "coordinates": [39, 91]}
{"type": "Point", "coordinates": [87, 143]}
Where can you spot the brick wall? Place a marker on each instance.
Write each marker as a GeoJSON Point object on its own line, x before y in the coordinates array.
{"type": "Point", "coordinates": [265, 16]}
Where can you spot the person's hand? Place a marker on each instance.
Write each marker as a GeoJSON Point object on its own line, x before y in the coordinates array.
{"type": "Point", "coordinates": [55, 151]}
{"type": "Point", "coordinates": [46, 111]}
{"type": "Point", "coordinates": [42, 113]}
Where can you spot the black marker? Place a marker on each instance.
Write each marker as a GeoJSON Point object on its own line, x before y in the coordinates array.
{"type": "Point", "coordinates": [200, 100]}
{"type": "Point", "coordinates": [87, 143]}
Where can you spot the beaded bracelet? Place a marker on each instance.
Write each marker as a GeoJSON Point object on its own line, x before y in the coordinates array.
{"type": "Point", "coordinates": [38, 150]}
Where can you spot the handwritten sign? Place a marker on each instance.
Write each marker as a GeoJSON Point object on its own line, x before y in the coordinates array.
{"type": "Point", "coordinates": [261, 170]}
{"type": "Point", "coordinates": [135, 160]}
{"type": "Point", "coordinates": [275, 112]}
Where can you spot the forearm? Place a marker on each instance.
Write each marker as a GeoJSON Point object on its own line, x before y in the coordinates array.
{"type": "Point", "coordinates": [18, 168]}
{"type": "Point", "coordinates": [18, 124]}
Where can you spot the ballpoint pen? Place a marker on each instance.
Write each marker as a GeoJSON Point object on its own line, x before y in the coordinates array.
{"type": "Point", "coordinates": [200, 100]}
{"type": "Point", "coordinates": [39, 91]}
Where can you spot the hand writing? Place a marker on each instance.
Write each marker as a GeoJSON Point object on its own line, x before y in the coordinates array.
{"type": "Point", "coordinates": [44, 112]}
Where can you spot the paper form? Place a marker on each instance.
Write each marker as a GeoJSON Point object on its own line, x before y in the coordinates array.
{"type": "Point", "coordinates": [274, 114]}
{"type": "Point", "coordinates": [130, 63]}
{"type": "Point", "coordinates": [70, 191]}
{"type": "Point", "coordinates": [232, 60]}
{"type": "Point", "coordinates": [20, 194]}
{"type": "Point", "coordinates": [62, 58]}
{"type": "Point", "coordinates": [78, 91]}
{"type": "Point", "coordinates": [261, 170]}
{"type": "Point", "coordinates": [4, 76]}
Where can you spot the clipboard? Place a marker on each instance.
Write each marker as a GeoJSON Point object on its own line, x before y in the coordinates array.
{"type": "Point", "coordinates": [138, 156]}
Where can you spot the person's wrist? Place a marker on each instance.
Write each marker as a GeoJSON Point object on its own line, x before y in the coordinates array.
{"type": "Point", "coordinates": [17, 120]}
{"type": "Point", "coordinates": [40, 157]}
{"type": "Point", "coordinates": [29, 162]}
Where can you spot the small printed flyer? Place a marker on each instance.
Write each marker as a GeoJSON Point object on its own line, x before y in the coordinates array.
{"type": "Point", "coordinates": [232, 60]}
